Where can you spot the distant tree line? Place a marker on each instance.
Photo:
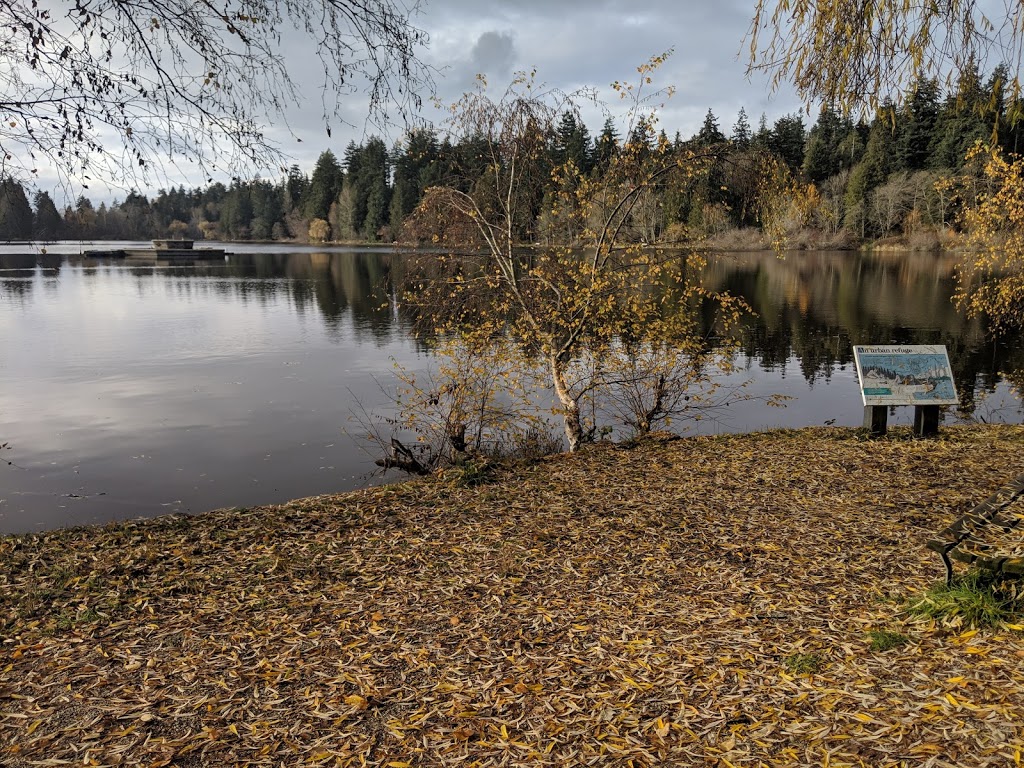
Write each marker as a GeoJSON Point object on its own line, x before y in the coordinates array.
{"type": "Point", "coordinates": [902, 173]}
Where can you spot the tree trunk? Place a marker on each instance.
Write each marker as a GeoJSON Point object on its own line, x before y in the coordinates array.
{"type": "Point", "coordinates": [570, 408]}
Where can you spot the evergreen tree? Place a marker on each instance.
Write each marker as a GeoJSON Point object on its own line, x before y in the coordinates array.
{"type": "Point", "coordinates": [572, 144]}
{"type": "Point", "coordinates": [787, 140]}
{"type": "Point", "coordinates": [358, 190]}
{"type": "Point", "coordinates": [368, 168]}
{"type": "Point", "coordinates": [324, 186]}
{"type": "Point", "coordinates": [47, 223]}
{"type": "Point", "coordinates": [15, 211]}
{"type": "Point", "coordinates": [403, 195]}
{"type": "Point", "coordinates": [468, 161]}
{"type": "Point", "coordinates": [1007, 110]}
{"type": "Point", "coordinates": [916, 126]}
{"type": "Point", "coordinates": [822, 158]}
{"type": "Point", "coordinates": [111, 223]}
{"type": "Point", "coordinates": [138, 220]}
{"type": "Point", "coordinates": [970, 95]}
{"type": "Point", "coordinates": [741, 135]}
{"type": "Point", "coordinates": [341, 214]}
{"type": "Point", "coordinates": [295, 188]}
{"type": "Point", "coordinates": [870, 172]}
{"type": "Point", "coordinates": [852, 144]}
{"type": "Point", "coordinates": [709, 133]}
{"type": "Point", "coordinates": [641, 138]}
{"type": "Point", "coordinates": [381, 188]}
{"type": "Point", "coordinates": [956, 131]}
{"type": "Point", "coordinates": [267, 209]}
{"type": "Point", "coordinates": [607, 144]}
{"type": "Point", "coordinates": [417, 165]}
{"type": "Point", "coordinates": [173, 205]}
{"type": "Point", "coordinates": [378, 204]}
{"type": "Point", "coordinates": [80, 221]}
{"type": "Point", "coordinates": [216, 192]}
{"type": "Point", "coordinates": [763, 137]}
{"type": "Point", "coordinates": [236, 212]}
{"type": "Point", "coordinates": [960, 122]}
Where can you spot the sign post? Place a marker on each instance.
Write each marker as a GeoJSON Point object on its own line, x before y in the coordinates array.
{"type": "Point", "coordinates": [917, 375]}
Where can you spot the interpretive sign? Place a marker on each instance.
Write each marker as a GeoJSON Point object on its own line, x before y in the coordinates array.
{"type": "Point", "coordinates": [905, 375]}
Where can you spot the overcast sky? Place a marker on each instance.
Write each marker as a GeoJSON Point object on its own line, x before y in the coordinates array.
{"type": "Point", "coordinates": [572, 44]}
{"type": "Point", "coordinates": [576, 43]}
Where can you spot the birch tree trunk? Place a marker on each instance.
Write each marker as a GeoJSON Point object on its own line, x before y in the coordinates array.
{"type": "Point", "coordinates": [570, 407]}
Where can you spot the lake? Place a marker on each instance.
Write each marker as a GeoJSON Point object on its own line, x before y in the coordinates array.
{"type": "Point", "coordinates": [137, 390]}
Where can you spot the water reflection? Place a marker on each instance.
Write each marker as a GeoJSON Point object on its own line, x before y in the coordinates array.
{"type": "Point", "coordinates": [142, 389]}
{"type": "Point", "coordinates": [813, 308]}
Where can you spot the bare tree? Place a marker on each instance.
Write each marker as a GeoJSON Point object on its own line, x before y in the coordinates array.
{"type": "Point", "coordinates": [891, 202]}
{"type": "Point", "coordinates": [829, 216]}
{"type": "Point", "coordinates": [103, 88]}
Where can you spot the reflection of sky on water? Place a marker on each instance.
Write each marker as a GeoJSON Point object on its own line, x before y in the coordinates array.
{"type": "Point", "coordinates": [164, 392]}
{"type": "Point", "coordinates": [133, 391]}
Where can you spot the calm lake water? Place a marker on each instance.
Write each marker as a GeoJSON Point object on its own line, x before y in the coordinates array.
{"type": "Point", "coordinates": [137, 390]}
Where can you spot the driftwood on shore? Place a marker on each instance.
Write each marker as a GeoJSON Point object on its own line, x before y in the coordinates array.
{"type": "Point", "coordinates": [405, 459]}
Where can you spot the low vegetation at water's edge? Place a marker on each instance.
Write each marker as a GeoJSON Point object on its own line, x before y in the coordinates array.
{"type": "Point", "coordinates": [735, 600]}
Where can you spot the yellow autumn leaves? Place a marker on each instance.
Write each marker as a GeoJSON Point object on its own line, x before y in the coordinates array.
{"type": "Point", "coordinates": [991, 276]}
{"type": "Point", "coordinates": [620, 607]}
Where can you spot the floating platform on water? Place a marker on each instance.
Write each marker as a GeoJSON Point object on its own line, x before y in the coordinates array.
{"type": "Point", "coordinates": [176, 254]}
{"type": "Point", "coordinates": [107, 253]}
{"type": "Point", "coordinates": [162, 250]}
{"type": "Point", "coordinates": [159, 254]}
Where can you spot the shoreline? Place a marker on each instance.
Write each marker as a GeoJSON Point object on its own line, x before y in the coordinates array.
{"type": "Point", "coordinates": [742, 245]}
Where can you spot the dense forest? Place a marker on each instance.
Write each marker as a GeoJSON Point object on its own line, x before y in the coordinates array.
{"type": "Point", "coordinates": [901, 174]}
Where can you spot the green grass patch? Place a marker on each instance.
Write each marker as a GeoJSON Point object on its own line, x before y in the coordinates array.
{"type": "Point", "coordinates": [884, 640]}
{"type": "Point", "coordinates": [802, 663]}
{"type": "Point", "coordinates": [977, 599]}
{"type": "Point", "coordinates": [67, 620]}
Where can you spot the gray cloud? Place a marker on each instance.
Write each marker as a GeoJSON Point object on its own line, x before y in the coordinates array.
{"type": "Point", "coordinates": [462, 54]}
{"type": "Point", "coordinates": [494, 53]}
{"type": "Point", "coordinates": [572, 44]}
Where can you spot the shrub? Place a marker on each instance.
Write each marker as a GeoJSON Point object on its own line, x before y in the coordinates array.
{"type": "Point", "coordinates": [319, 231]}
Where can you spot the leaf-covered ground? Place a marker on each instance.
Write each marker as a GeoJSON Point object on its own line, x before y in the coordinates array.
{"type": "Point", "coordinates": [697, 602]}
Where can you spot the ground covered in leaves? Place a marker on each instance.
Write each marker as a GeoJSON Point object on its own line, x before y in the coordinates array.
{"type": "Point", "coordinates": [730, 601]}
